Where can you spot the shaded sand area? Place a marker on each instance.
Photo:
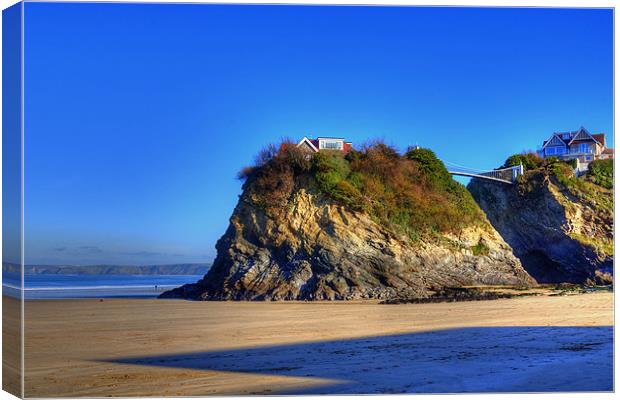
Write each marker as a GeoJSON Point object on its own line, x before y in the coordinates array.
{"type": "Point", "coordinates": [173, 347]}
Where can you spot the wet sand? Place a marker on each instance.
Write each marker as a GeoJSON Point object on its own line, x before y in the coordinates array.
{"type": "Point", "coordinates": [137, 347]}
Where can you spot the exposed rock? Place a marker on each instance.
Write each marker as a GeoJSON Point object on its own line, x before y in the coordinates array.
{"type": "Point", "coordinates": [558, 236]}
{"type": "Point", "coordinates": [315, 249]}
{"type": "Point", "coordinates": [450, 295]}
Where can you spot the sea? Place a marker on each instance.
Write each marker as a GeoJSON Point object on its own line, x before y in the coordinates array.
{"type": "Point", "coordinates": [57, 286]}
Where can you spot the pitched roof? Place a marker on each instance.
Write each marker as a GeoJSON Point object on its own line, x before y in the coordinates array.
{"type": "Point", "coordinates": [581, 135]}
{"type": "Point", "coordinates": [554, 140]}
{"type": "Point", "coordinates": [569, 135]}
{"type": "Point", "coordinates": [600, 137]}
{"type": "Point", "coordinates": [309, 143]}
{"type": "Point", "coordinates": [608, 151]}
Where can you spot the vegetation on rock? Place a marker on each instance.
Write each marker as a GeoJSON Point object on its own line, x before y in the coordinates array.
{"type": "Point", "coordinates": [601, 172]}
{"type": "Point", "coordinates": [560, 225]}
{"type": "Point", "coordinates": [480, 249]}
{"type": "Point", "coordinates": [528, 160]}
{"type": "Point", "coordinates": [594, 189]}
{"type": "Point", "coordinates": [412, 193]}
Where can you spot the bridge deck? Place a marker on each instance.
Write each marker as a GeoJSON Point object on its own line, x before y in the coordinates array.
{"type": "Point", "coordinates": [505, 175]}
{"type": "Point", "coordinates": [470, 175]}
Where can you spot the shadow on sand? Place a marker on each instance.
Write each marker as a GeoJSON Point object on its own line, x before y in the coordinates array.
{"type": "Point", "coordinates": [490, 359]}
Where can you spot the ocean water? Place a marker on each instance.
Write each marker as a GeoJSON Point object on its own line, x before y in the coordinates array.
{"type": "Point", "coordinates": [53, 286]}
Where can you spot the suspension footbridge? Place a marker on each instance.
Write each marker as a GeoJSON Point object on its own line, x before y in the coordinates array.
{"type": "Point", "coordinates": [504, 175]}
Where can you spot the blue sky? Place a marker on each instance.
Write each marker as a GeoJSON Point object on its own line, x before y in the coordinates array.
{"type": "Point", "coordinates": [137, 117]}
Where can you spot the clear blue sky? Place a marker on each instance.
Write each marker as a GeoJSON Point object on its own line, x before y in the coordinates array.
{"type": "Point", "coordinates": [137, 117]}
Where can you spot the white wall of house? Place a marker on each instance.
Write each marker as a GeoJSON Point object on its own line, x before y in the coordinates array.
{"type": "Point", "coordinates": [331, 144]}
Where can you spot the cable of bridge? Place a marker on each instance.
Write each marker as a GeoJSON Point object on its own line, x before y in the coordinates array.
{"type": "Point", "coordinates": [476, 170]}
{"type": "Point", "coordinates": [462, 166]}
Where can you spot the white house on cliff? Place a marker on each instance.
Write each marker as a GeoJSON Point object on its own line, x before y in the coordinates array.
{"type": "Point", "coordinates": [324, 143]}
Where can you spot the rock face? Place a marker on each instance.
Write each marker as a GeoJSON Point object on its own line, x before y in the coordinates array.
{"type": "Point", "coordinates": [557, 236]}
{"type": "Point", "coordinates": [316, 249]}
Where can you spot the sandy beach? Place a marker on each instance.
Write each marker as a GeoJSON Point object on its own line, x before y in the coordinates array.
{"type": "Point", "coordinates": [138, 347]}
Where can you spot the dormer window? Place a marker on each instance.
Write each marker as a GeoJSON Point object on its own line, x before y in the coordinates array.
{"type": "Point", "coordinates": [330, 144]}
{"type": "Point", "coordinates": [566, 136]}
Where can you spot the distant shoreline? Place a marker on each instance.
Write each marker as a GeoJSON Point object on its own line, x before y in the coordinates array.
{"type": "Point", "coordinates": [65, 286]}
{"type": "Point", "coordinates": [108, 269]}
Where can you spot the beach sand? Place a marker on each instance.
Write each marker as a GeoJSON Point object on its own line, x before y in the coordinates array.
{"type": "Point", "coordinates": [11, 346]}
{"type": "Point", "coordinates": [142, 347]}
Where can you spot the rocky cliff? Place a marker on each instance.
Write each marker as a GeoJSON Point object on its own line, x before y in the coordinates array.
{"type": "Point", "coordinates": [312, 247]}
{"type": "Point", "coordinates": [558, 225]}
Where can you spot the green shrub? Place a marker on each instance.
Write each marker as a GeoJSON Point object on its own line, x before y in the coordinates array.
{"type": "Point", "coordinates": [326, 160]}
{"type": "Point", "coordinates": [329, 168]}
{"type": "Point", "coordinates": [435, 172]}
{"type": "Point", "coordinates": [572, 163]}
{"type": "Point", "coordinates": [480, 249]}
{"type": "Point", "coordinates": [528, 160]}
{"type": "Point", "coordinates": [355, 179]}
{"type": "Point", "coordinates": [561, 170]}
{"type": "Point", "coordinates": [345, 192]}
{"type": "Point", "coordinates": [601, 172]}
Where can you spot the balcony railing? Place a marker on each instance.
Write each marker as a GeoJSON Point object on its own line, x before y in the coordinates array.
{"type": "Point", "coordinates": [567, 154]}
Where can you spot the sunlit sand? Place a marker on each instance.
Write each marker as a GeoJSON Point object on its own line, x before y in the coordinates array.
{"type": "Point", "coordinates": [173, 347]}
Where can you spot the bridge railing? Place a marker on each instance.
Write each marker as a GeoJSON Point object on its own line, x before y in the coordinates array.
{"type": "Point", "coordinates": [507, 175]}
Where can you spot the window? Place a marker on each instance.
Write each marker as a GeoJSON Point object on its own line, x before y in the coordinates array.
{"type": "Point", "coordinates": [331, 144]}
{"type": "Point", "coordinates": [566, 136]}
{"type": "Point", "coordinates": [559, 150]}
{"type": "Point", "coordinates": [584, 148]}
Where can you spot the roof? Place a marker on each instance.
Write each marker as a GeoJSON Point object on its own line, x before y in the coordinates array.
{"type": "Point", "coordinates": [582, 136]}
{"type": "Point", "coordinates": [308, 142]}
{"type": "Point", "coordinates": [572, 138]}
{"type": "Point", "coordinates": [600, 137]}
{"type": "Point", "coordinates": [554, 140]}
{"type": "Point", "coordinates": [608, 151]}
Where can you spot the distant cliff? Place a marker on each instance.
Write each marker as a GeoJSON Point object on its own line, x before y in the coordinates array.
{"type": "Point", "coordinates": [558, 225]}
{"type": "Point", "coordinates": [373, 224]}
{"type": "Point", "coordinates": [173, 269]}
